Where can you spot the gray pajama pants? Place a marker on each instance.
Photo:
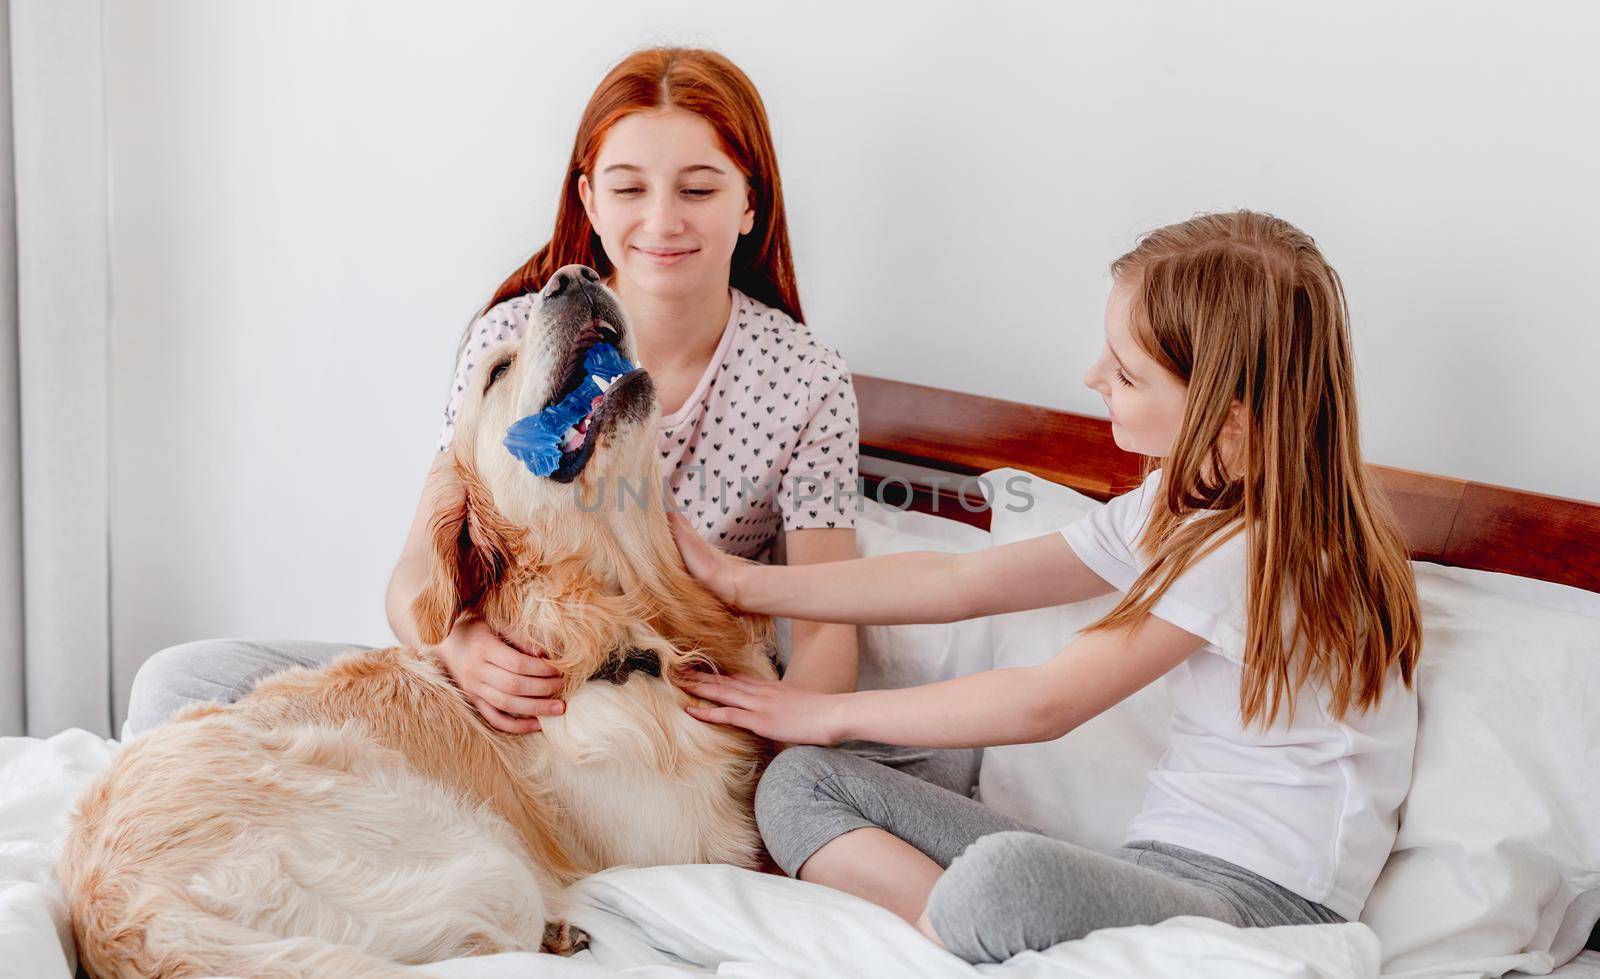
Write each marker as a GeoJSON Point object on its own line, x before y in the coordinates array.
{"type": "Point", "coordinates": [1006, 889]}
{"type": "Point", "coordinates": [222, 670]}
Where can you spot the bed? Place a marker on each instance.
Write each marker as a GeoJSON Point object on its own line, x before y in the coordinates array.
{"type": "Point", "coordinates": [1496, 870]}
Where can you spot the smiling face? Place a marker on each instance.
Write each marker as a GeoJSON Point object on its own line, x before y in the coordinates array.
{"type": "Point", "coordinates": [668, 204]}
{"type": "Point", "coordinates": [1146, 401]}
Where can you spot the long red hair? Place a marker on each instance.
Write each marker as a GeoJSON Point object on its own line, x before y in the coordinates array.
{"type": "Point", "coordinates": [712, 87]}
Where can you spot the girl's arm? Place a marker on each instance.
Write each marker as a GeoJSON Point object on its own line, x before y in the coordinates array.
{"type": "Point", "coordinates": [1039, 703]}
{"type": "Point", "coordinates": [411, 570]}
{"type": "Point", "coordinates": [823, 655]}
{"type": "Point", "coordinates": [509, 687]}
{"type": "Point", "coordinates": [918, 586]}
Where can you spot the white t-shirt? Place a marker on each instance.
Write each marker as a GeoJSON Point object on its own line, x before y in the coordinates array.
{"type": "Point", "coordinates": [763, 442]}
{"type": "Point", "coordinates": [1313, 807]}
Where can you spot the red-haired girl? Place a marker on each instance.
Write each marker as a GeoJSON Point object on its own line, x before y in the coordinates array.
{"type": "Point", "coordinates": [672, 194]}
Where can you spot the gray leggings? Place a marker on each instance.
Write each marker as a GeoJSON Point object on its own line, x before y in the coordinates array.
{"type": "Point", "coordinates": [1006, 889]}
{"type": "Point", "coordinates": [221, 670]}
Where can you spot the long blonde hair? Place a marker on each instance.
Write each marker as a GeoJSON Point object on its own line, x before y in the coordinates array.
{"type": "Point", "coordinates": [1243, 307]}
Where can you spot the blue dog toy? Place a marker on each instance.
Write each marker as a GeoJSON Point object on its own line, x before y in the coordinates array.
{"type": "Point", "coordinates": [537, 439]}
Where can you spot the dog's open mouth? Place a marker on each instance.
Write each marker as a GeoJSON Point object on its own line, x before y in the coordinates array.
{"type": "Point", "coordinates": [557, 441]}
{"type": "Point", "coordinates": [599, 362]}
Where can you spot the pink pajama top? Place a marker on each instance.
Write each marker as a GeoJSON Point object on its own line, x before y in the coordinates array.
{"type": "Point", "coordinates": [767, 441]}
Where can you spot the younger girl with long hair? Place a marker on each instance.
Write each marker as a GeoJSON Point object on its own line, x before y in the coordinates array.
{"type": "Point", "coordinates": [1260, 574]}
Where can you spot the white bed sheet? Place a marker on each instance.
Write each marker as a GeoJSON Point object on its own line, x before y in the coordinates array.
{"type": "Point", "coordinates": [1585, 966]}
{"type": "Point", "coordinates": [671, 921]}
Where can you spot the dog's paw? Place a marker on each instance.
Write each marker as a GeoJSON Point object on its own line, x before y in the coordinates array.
{"type": "Point", "coordinates": [561, 938]}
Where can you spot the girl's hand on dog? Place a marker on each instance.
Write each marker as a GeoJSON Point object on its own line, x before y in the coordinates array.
{"type": "Point", "coordinates": [509, 687]}
{"type": "Point", "coordinates": [770, 708]}
{"type": "Point", "coordinates": [716, 570]}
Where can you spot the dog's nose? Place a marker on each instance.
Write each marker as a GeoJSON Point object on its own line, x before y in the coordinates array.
{"type": "Point", "coordinates": [567, 277]}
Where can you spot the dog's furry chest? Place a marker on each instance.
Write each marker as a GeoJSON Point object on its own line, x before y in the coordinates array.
{"type": "Point", "coordinates": [643, 783]}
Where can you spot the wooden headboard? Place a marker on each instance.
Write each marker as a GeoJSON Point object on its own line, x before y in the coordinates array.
{"type": "Point", "coordinates": [1447, 521]}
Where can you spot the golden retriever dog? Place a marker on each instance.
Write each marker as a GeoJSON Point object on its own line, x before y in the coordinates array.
{"type": "Point", "coordinates": [344, 820]}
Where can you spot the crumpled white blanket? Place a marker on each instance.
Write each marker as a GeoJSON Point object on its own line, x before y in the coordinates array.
{"type": "Point", "coordinates": [672, 921]}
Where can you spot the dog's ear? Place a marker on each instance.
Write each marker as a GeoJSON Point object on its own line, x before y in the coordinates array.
{"type": "Point", "coordinates": [470, 548]}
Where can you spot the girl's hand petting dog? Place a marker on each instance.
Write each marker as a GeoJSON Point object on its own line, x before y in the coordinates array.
{"type": "Point", "coordinates": [775, 710]}
{"type": "Point", "coordinates": [509, 687]}
{"type": "Point", "coordinates": [714, 569]}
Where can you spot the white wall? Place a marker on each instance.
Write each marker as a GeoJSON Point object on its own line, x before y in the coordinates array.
{"type": "Point", "coordinates": [310, 199]}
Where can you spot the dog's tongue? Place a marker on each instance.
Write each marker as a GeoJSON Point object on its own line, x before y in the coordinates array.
{"type": "Point", "coordinates": [581, 430]}
{"type": "Point", "coordinates": [539, 440]}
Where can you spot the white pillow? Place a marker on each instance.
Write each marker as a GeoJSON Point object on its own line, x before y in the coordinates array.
{"type": "Point", "coordinates": [909, 655]}
{"type": "Point", "coordinates": [1086, 786]}
{"type": "Point", "coordinates": [1497, 864]}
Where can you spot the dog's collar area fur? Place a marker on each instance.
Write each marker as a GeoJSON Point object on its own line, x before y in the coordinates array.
{"type": "Point", "coordinates": [617, 671]}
